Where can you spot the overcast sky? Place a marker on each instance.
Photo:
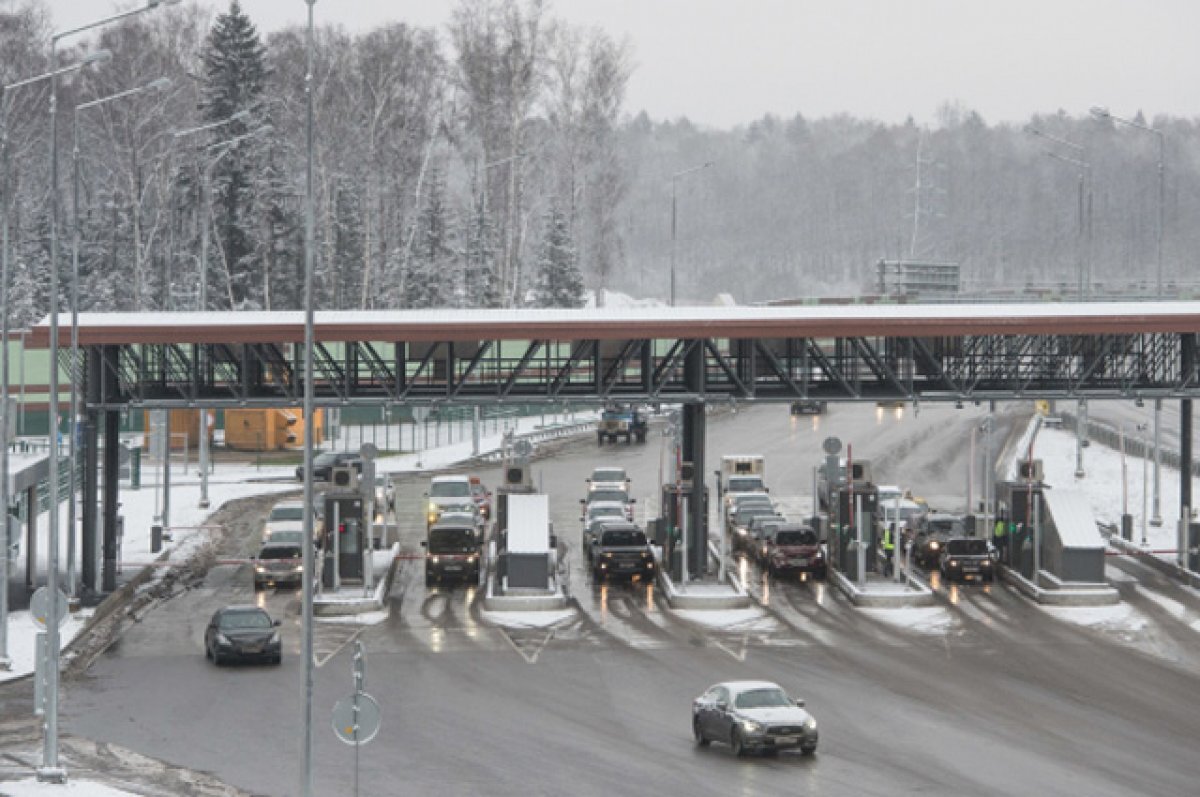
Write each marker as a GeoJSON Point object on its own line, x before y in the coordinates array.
{"type": "Point", "coordinates": [727, 62]}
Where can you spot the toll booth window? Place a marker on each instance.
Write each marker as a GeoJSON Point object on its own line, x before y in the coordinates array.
{"type": "Point", "coordinates": [745, 484]}
{"type": "Point", "coordinates": [452, 540]}
{"type": "Point", "coordinates": [620, 538]}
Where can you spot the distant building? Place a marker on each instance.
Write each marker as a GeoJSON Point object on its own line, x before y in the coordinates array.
{"type": "Point", "coordinates": [917, 278]}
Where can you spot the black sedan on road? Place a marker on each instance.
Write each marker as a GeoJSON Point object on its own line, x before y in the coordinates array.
{"type": "Point", "coordinates": [965, 558]}
{"type": "Point", "coordinates": [244, 633]}
{"type": "Point", "coordinates": [753, 716]}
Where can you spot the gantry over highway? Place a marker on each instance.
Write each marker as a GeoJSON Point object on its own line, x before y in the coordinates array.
{"type": "Point", "coordinates": [687, 355]}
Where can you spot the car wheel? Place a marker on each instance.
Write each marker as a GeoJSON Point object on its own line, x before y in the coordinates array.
{"type": "Point", "coordinates": [736, 744]}
{"type": "Point", "coordinates": [809, 750]}
{"type": "Point", "coordinates": [701, 739]}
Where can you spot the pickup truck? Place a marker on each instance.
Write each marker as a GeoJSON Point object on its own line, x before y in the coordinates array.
{"type": "Point", "coordinates": [621, 549]}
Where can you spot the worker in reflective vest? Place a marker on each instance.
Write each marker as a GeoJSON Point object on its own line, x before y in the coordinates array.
{"type": "Point", "coordinates": [889, 545]}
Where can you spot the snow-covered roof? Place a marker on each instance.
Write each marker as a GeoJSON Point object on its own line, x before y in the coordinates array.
{"type": "Point", "coordinates": [626, 322]}
{"type": "Point", "coordinates": [1073, 518]}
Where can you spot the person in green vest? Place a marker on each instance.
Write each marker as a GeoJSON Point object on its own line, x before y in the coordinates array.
{"type": "Point", "coordinates": [1000, 532]}
{"type": "Point", "coordinates": [889, 547]}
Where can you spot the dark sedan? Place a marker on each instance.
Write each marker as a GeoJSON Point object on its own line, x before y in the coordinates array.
{"type": "Point", "coordinates": [753, 716]}
{"type": "Point", "coordinates": [245, 633]}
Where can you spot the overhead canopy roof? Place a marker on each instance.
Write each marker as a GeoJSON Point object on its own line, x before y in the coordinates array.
{"type": "Point", "coordinates": [815, 321]}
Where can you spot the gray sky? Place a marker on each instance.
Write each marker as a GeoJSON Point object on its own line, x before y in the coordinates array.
{"type": "Point", "coordinates": [727, 62]}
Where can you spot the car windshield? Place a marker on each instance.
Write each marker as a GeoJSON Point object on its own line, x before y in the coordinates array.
{"type": "Point", "coordinates": [295, 537]}
{"type": "Point", "coordinates": [450, 490]}
{"type": "Point", "coordinates": [453, 540]}
{"type": "Point", "coordinates": [746, 513]}
{"type": "Point", "coordinates": [943, 525]}
{"type": "Point", "coordinates": [625, 537]}
{"type": "Point", "coordinates": [279, 552]}
{"type": "Point", "coordinates": [967, 547]}
{"type": "Point", "coordinates": [286, 513]}
{"type": "Point", "coordinates": [606, 511]}
{"type": "Point", "coordinates": [325, 459]}
{"type": "Point", "coordinates": [616, 496]}
{"type": "Point", "coordinates": [248, 619]}
{"type": "Point", "coordinates": [745, 484]}
{"type": "Point", "coordinates": [796, 538]}
{"type": "Point", "coordinates": [608, 475]}
{"type": "Point", "coordinates": [762, 698]}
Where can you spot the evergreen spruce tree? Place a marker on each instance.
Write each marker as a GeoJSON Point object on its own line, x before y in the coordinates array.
{"type": "Point", "coordinates": [559, 282]}
{"type": "Point", "coordinates": [429, 281]}
{"type": "Point", "coordinates": [479, 288]}
{"type": "Point", "coordinates": [235, 74]}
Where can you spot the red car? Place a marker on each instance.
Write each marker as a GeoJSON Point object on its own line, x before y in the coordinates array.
{"type": "Point", "coordinates": [795, 548]}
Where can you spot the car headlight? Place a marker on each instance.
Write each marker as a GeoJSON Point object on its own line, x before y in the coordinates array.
{"type": "Point", "coordinates": [741, 531]}
{"type": "Point", "coordinates": [953, 563]}
{"type": "Point", "coordinates": [436, 559]}
{"type": "Point", "coordinates": [274, 640]}
{"type": "Point", "coordinates": [750, 726]}
{"type": "Point", "coordinates": [259, 569]}
{"type": "Point", "coordinates": [810, 724]}
{"type": "Point", "coordinates": [224, 640]}
{"type": "Point", "coordinates": [299, 568]}
{"type": "Point", "coordinates": [472, 557]}
{"type": "Point", "coordinates": [933, 546]}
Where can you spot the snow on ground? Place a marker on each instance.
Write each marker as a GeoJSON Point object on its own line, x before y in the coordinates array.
{"type": "Point", "coordinates": [527, 619]}
{"type": "Point", "coordinates": [22, 641]}
{"type": "Point", "coordinates": [922, 619]}
{"type": "Point", "coordinates": [752, 619]}
{"type": "Point", "coordinates": [1118, 617]}
{"type": "Point", "coordinates": [30, 787]}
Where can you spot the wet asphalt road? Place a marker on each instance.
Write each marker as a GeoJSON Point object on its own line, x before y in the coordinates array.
{"type": "Point", "coordinates": [1005, 699]}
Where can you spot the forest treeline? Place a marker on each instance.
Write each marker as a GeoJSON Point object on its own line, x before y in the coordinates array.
{"type": "Point", "coordinates": [494, 163]}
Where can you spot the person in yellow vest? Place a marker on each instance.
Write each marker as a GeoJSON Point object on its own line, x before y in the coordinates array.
{"type": "Point", "coordinates": [1000, 532]}
{"type": "Point", "coordinates": [889, 547]}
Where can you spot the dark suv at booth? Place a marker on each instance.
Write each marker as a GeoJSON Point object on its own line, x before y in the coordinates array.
{"type": "Point", "coordinates": [964, 558]}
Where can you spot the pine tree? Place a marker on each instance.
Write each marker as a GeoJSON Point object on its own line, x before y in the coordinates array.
{"type": "Point", "coordinates": [429, 281]}
{"type": "Point", "coordinates": [559, 281]}
{"type": "Point", "coordinates": [235, 74]}
{"type": "Point", "coordinates": [479, 288]}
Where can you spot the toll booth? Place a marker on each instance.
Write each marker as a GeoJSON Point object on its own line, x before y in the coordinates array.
{"type": "Point", "coordinates": [843, 526]}
{"type": "Point", "coordinates": [344, 538]}
{"type": "Point", "coordinates": [1018, 501]}
{"type": "Point", "coordinates": [676, 509]}
{"type": "Point", "coordinates": [526, 560]}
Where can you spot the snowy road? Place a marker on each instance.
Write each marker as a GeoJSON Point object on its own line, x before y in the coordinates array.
{"type": "Point", "coordinates": [983, 694]}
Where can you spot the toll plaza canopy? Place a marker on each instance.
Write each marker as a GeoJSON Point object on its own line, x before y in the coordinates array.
{"type": "Point", "coordinates": [834, 352]}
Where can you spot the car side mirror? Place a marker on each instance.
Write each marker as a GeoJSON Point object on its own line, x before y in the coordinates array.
{"type": "Point", "coordinates": [633, 500]}
{"type": "Point", "coordinates": [766, 489]}
{"type": "Point", "coordinates": [799, 703]}
{"type": "Point", "coordinates": [722, 705]}
{"type": "Point", "coordinates": [424, 543]}
{"type": "Point", "coordinates": [583, 502]}
{"type": "Point", "coordinates": [277, 623]}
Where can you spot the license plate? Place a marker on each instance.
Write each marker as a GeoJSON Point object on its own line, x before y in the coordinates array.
{"type": "Point", "coordinates": [252, 649]}
{"type": "Point", "coordinates": [787, 739]}
{"type": "Point", "coordinates": [452, 567]}
{"type": "Point", "coordinates": [800, 562]}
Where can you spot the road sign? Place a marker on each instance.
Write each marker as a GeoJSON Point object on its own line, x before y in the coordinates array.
{"type": "Point", "coordinates": [356, 727]}
{"type": "Point", "coordinates": [39, 606]}
{"type": "Point", "coordinates": [831, 446]}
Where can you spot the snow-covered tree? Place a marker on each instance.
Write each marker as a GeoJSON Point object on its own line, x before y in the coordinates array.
{"type": "Point", "coordinates": [558, 280]}
{"type": "Point", "coordinates": [235, 75]}
{"type": "Point", "coordinates": [479, 285]}
{"type": "Point", "coordinates": [428, 281]}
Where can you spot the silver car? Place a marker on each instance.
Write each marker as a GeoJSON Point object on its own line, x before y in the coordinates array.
{"type": "Point", "coordinates": [753, 716]}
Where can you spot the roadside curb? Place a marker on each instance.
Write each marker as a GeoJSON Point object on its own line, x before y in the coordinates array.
{"type": "Point", "coordinates": [922, 595]}
{"type": "Point", "coordinates": [1097, 595]}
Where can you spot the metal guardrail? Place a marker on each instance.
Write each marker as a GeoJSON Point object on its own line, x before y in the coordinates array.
{"type": "Point", "coordinates": [540, 435]}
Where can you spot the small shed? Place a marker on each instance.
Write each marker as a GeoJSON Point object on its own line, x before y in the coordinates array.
{"type": "Point", "coordinates": [1072, 548]}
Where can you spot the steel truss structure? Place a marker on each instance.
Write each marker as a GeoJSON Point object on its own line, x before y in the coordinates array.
{"type": "Point", "coordinates": [376, 365]}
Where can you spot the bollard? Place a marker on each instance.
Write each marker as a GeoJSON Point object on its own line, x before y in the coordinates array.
{"type": "Point", "coordinates": [156, 539]}
{"type": "Point", "coordinates": [1127, 527]}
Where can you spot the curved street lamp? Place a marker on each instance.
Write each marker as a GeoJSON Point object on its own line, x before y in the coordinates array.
{"type": "Point", "coordinates": [97, 57]}
{"type": "Point", "coordinates": [50, 769]}
{"type": "Point", "coordinates": [674, 179]}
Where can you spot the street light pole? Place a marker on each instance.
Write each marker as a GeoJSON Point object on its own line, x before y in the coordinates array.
{"type": "Point", "coordinates": [1084, 230]}
{"type": "Point", "coordinates": [6, 424]}
{"type": "Point", "coordinates": [160, 84]}
{"type": "Point", "coordinates": [50, 769]}
{"type": "Point", "coordinates": [674, 179]}
{"type": "Point", "coordinates": [306, 644]}
{"type": "Point", "coordinates": [1103, 113]}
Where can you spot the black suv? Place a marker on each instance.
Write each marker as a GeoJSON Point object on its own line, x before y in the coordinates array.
{"type": "Point", "coordinates": [964, 558]}
{"type": "Point", "coordinates": [621, 549]}
{"type": "Point", "coordinates": [324, 463]}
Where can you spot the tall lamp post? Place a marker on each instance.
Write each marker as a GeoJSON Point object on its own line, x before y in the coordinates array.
{"type": "Point", "coordinates": [1103, 113]}
{"type": "Point", "coordinates": [161, 84]}
{"type": "Point", "coordinates": [1084, 213]}
{"type": "Point", "coordinates": [50, 769]}
{"type": "Point", "coordinates": [675, 179]}
{"type": "Point", "coordinates": [202, 301]}
{"type": "Point", "coordinates": [306, 635]}
{"type": "Point", "coordinates": [5, 200]}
